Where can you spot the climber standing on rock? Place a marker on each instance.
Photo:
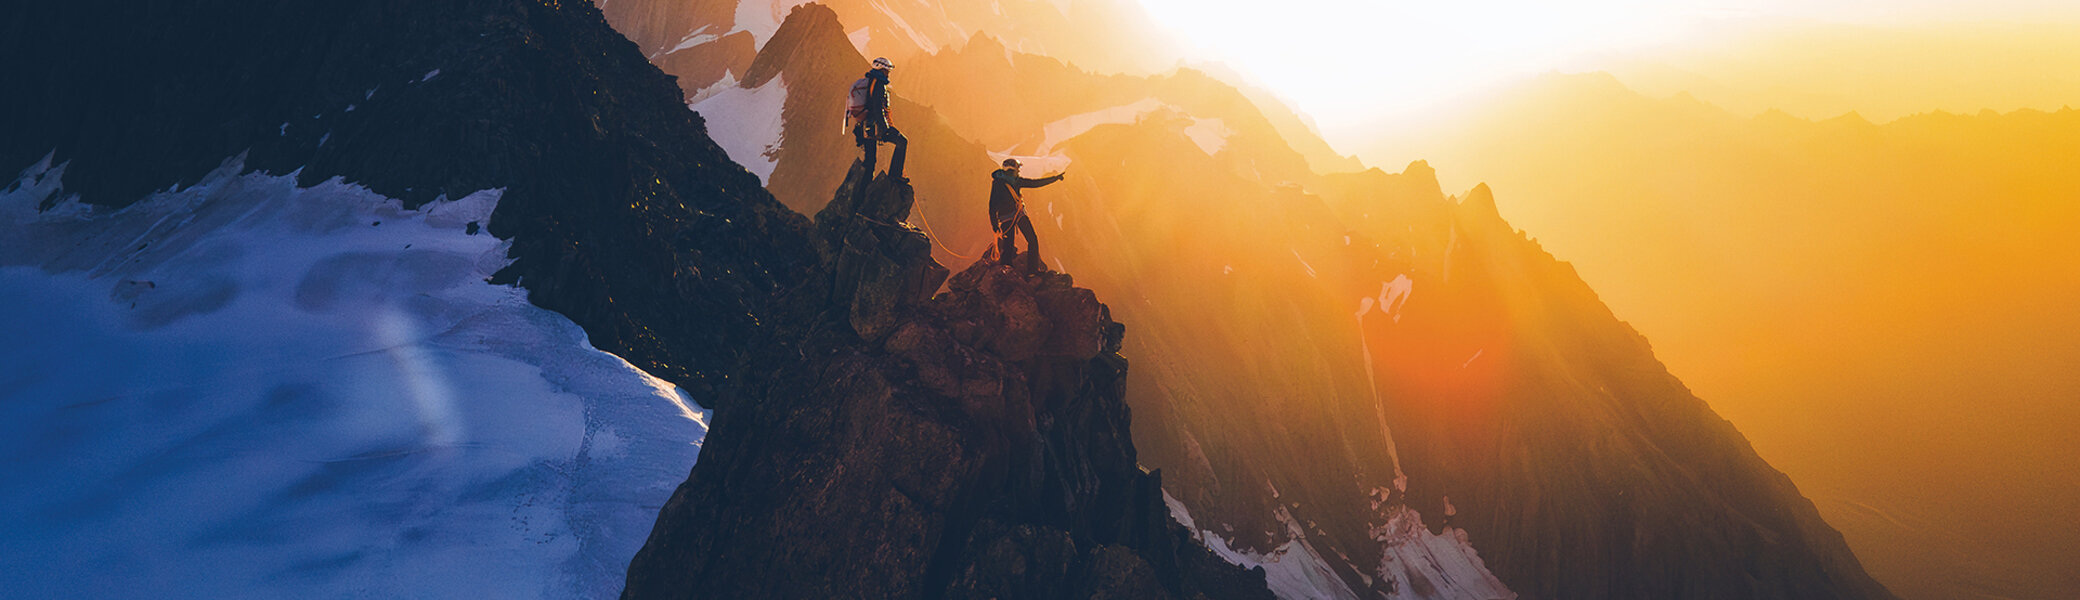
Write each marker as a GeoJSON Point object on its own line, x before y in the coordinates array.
{"type": "Point", "coordinates": [1007, 210]}
{"type": "Point", "coordinates": [868, 110]}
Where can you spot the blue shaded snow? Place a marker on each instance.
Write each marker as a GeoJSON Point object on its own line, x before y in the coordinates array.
{"type": "Point", "coordinates": [244, 389]}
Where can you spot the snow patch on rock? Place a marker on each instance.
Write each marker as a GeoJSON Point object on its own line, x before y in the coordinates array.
{"type": "Point", "coordinates": [746, 123]}
{"type": "Point", "coordinates": [693, 38]}
{"type": "Point", "coordinates": [859, 38]}
{"type": "Point", "coordinates": [1061, 130]}
{"type": "Point", "coordinates": [1293, 570]}
{"type": "Point", "coordinates": [1178, 512]}
{"type": "Point", "coordinates": [922, 41]}
{"type": "Point", "coordinates": [1426, 565]}
{"type": "Point", "coordinates": [1303, 262]}
{"type": "Point", "coordinates": [1210, 134]}
{"type": "Point", "coordinates": [1391, 297]}
{"type": "Point", "coordinates": [1394, 294]}
{"type": "Point", "coordinates": [247, 389]}
{"type": "Point", "coordinates": [728, 82]}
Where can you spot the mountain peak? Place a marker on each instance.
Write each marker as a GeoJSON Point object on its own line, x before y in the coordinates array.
{"type": "Point", "coordinates": [984, 43]}
{"type": "Point", "coordinates": [1420, 169]}
{"type": "Point", "coordinates": [1849, 119]}
{"type": "Point", "coordinates": [1480, 201]}
{"type": "Point", "coordinates": [811, 35]}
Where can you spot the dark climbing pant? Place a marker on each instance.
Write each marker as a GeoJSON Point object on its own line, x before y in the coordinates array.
{"type": "Point", "coordinates": [871, 134]}
{"type": "Point", "coordinates": [1007, 220]}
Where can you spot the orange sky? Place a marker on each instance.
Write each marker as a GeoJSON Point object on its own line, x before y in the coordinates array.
{"type": "Point", "coordinates": [1357, 66]}
{"type": "Point", "coordinates": [1885, 309]}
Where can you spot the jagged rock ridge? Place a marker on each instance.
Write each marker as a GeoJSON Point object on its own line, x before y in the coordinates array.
{"type": "Point", "coordinates": [972, 444]}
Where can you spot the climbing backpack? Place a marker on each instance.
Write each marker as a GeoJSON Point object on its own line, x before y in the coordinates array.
{"type": "Point", "coordinates": [856, 108]}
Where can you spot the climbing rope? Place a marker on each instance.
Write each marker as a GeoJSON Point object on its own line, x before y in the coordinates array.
{"type": "Point", "coordinates": [935, 236]}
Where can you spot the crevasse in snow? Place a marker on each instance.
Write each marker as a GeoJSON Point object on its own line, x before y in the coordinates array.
{"type": "Point", "coordinates": [246, 389]}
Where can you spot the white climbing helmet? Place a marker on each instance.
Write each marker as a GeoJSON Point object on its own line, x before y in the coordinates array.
{"type": "Point", "coordinates": [883, 63]}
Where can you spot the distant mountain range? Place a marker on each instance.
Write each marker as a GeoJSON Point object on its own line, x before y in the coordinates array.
{"type": "Point", "coordinates": [1887, 298]}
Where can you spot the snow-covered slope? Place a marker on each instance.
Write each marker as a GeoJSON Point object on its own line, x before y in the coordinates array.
{"type": "Point", "coordinates": [746, 122]}
{"type": "Point", "coordinates": [244, 389]}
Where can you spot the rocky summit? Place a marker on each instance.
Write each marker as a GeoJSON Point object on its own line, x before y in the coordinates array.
{"type": "Point", "coordinates": [969, 444]}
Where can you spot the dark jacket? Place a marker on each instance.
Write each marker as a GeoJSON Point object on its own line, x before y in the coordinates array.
{"type": "Point", "coordinates": [1005, 183]}
{"type": "Point", "coordinates": [877, 94]}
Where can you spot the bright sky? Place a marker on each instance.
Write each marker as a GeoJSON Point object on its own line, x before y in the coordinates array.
{"type": "Point", "coordinates": [1354, 62]}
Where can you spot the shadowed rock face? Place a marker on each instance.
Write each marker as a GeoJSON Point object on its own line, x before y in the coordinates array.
{"type": "Point", "coordinates": [973, 445]}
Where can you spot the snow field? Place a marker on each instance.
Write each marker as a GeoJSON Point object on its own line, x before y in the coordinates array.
{"type": "Point", "coordinates": [244, 389]}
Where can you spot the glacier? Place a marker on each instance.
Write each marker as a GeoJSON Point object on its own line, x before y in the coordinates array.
{"type": "Point", "coordinates": [250, 389]}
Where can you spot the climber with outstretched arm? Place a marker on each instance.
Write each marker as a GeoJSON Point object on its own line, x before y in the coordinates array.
{"type": "Point", "coordinates": [869, 111]}
{"type": "Point", "coordinates": [1007, 210]}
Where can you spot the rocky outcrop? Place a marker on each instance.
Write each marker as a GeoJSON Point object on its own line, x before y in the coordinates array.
{"type": "Point", "coordinates": [879, 265]}
{"type": "Point", "coordinates": [975, 444]}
